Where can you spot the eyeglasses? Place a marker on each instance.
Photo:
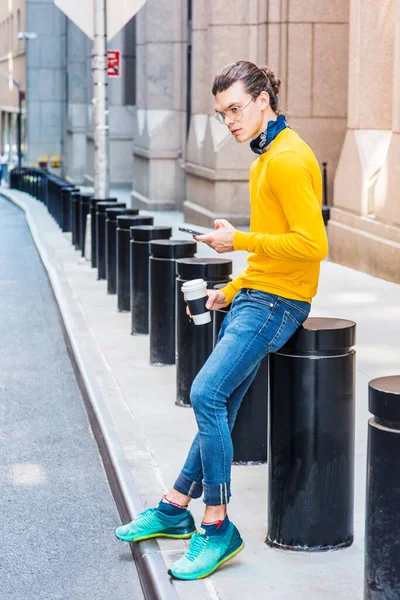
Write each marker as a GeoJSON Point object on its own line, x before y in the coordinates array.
{"type": "Point", "coordinates": [234, 114]}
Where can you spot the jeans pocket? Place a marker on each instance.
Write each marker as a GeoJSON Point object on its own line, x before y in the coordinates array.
{"type": "Point", "coordinates": [261, 297]}
{"type": "Point", "coordinates": [287, 328]}
{"type": "Point", "coordinates": [299, 310]}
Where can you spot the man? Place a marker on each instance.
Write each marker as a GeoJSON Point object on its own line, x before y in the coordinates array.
{"type": "Point", "coordinates": [270, 300]}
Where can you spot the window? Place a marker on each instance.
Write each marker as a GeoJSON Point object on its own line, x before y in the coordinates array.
{"type": "Point", "coordinates": [12, 34]}
{"type": "Point", "coordinates": [129, 62]}
{"type": "Point", "coordinates": [19, 28]}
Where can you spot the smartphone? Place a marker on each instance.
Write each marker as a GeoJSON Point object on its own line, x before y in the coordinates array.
{"type": "Point", "coordinates": [191, 231]}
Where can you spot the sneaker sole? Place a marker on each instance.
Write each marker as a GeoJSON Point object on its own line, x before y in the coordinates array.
{"type": "Point", "coordinates": [180, 536]}
{"type": "Point", "coordinates": [203, 575]}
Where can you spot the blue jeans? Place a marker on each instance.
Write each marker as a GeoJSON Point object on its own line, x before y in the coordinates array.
{"type": "Point", "coordinates": [257, 323]}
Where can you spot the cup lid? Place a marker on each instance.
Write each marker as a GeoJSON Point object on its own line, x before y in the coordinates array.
{"type": "Point", "coordinates": [194, 284]}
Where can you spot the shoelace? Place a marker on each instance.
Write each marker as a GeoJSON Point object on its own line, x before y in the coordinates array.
{"type": "Point", "coordinates": [145, 517]}
{"type": "Point", "coordinates": [197, 545]}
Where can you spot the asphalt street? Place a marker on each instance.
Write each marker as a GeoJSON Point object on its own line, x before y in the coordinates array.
{"type": "Point", "coordinates": [57, 513]}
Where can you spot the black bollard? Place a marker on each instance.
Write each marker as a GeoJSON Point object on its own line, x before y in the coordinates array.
{"type": "Point", "coordinates": [250, 431]}
{"type": "Point", "coordinates": [73, 208]}
{"type": "Point", "coordinates": [141, 237]}
{"type": "Point", "coordinates": [123, 257]}
{"type": "Point", "coordinates": [382, 540]}
{"type": "Point", "coordinates": [111, 244]}
{"type": "Point", "coordinates": [42, 186]}
{"type": "Point", "coordinates": [59, 185]}
{"type": "Point", "coordinates": [101, 208]}
{"type": "Point", "coordinates": [84, 211]}
{"type": "Point", "coordinates": [194, 343]}
{"type": "Point", "coordinates": [93, 226]}
{"type": "Point", "coordinates": [60, 200]}
{"type": "Point", "coordinates": [78, 221]}
{"type": "Point", "coordinates": [162, 265]}
{"type": "Point", "coordinates": [312, 421]}
{"type": "Point", "coordinates": [326, 211]}
{"type": "Point", "coordinates": [66, 207]}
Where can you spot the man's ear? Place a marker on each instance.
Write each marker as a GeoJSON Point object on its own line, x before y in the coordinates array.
{"type": "Point", "coordinates": [264, 100]}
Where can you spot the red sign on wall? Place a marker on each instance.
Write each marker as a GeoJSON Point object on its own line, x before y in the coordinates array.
{"type": "Point", "coordinates": [113, 63]}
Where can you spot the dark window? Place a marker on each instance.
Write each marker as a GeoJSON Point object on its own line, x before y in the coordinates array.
{"type": "Point", "coordinates": [129, 62]}
{"type": "Point", "coordinates": [189, 66]}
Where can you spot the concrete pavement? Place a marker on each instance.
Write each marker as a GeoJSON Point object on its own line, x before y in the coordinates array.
{"type": "Point", "coordinates": [153, 435]}
{"type": "Point", "coordinates": [57, 508]}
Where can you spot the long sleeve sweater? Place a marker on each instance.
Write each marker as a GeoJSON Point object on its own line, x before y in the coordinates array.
{"type": "Point", "coordinates": [287, 238]}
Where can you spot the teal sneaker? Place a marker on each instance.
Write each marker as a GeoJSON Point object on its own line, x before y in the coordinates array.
{"type": "Point", "coordinates": [208, 552]}
{"type": "Point", "coordinates": [153, 523]}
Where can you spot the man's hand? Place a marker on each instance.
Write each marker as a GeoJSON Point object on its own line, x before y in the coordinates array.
{"type": "Point", "coordinates": [216, 300]}
{"type": "Point", "coordinates": [221, 240]}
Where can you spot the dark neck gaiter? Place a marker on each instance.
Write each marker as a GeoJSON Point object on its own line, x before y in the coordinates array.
{"type": "Point", "coordinates": [260, 143]}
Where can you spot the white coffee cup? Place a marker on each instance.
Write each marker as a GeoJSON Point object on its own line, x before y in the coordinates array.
{"type": "Point", "coordinates": [195, 292]}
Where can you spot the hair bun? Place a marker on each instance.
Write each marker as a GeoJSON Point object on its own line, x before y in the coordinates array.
{"type": "Point", "coordinates": [274, 81]}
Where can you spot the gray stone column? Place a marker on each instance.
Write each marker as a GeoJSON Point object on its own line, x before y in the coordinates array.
{"type": "Point", "coordinates": [313, 93]}
{"type": "Point", "coordinates": [121, 117]}
{"type": "Point", "coordinates": [78, 91]}
{"type": "Point", "coordinates": [361, 231]}
{"type": "Point", "coordinates": [217, 167]}
{"type": "Point", "coordinates": [387, 205]}
{"type": "Point", "coordinates": [308, 49]}
{"type": "Point", "coordinates": [46, 82]}
{"type": "Point", "coordinates": [159, 119]}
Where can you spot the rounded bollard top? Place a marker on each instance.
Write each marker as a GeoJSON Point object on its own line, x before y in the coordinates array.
{"type": "Point", "coordinates": [146, 233]}
{"type": "Point", "coordinates": [321, 336]}
{"type": "Point", "coordinates": [384, 399]}
{"type": "Point", "coordinates": [86, 196]}
{"type": "Point", "coordinates": [128, 221]}
{"type": "Point", "coordinates": [113, 213]}
{"type": "Point", "coordinates": [173, 249]}
{"type": "Point", "coordinates": [75, 194]}
{"type": "Point", "coordinates": [101, 207]}
{"type": "Point", "coordinates": [95, 201]}
{"type": "Point", "coordinates": [210, 269]}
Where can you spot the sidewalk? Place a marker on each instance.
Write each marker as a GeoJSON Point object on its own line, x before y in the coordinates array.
{"type": "Point", "coordinates": [153, 435]}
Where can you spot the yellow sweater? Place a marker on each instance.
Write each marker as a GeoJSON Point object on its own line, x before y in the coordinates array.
{"type": "Point", "coordinates": [287, 237]}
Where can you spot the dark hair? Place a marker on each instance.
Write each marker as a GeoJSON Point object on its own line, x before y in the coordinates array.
{"type": "Point", "coordinates": [255, 80]}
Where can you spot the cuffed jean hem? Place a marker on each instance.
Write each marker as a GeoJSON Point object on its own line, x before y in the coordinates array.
{"type": "Point", "coordinates": [216, 494]}
{"type": "Point", "coordinates": [188, 487]}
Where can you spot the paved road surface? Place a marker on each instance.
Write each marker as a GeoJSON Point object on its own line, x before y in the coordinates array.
{"type": "Point", "coordinates": [57, 513]}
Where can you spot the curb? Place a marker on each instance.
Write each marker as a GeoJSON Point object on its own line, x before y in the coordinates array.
{"type": "Point", "coordinates": [155, 581]}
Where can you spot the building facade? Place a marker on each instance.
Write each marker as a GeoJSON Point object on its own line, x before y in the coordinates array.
{"type": "Point", "coordinates": [182, 156]}
{"type": "Point", "coordinates": [339, 63]}
{"type": "Point", "coordinates": [53, 66]}
{"type": "Point", "coordinates": [364, 230]}
{"type": "Point", "coordinates": [12, 64]}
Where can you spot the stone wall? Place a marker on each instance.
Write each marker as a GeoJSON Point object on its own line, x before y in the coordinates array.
{"type": "Point", "coordinates": [364, 231]}
{"type": "Point", "coordinates": [12, 60]}
{"type": "Point", "coordinates": [159, 121]}
{"type": "Point", "coordinates": [305, 42]}
{"type": "Point", "coordinates": [46, 80]}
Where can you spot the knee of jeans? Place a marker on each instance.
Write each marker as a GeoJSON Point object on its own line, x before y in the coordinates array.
{"type": "Point", "coordinates": [198, 394]}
